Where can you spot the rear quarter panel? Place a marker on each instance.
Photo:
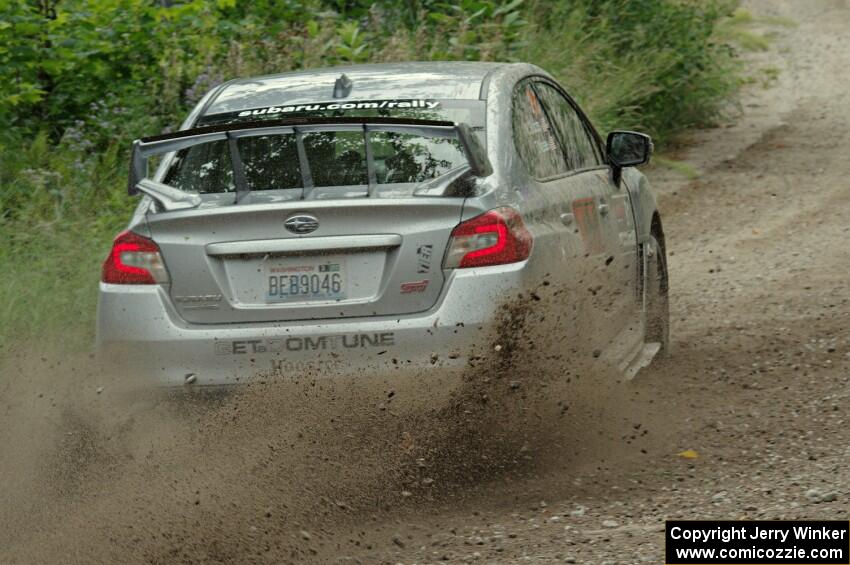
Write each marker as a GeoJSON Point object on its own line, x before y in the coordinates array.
{"type": "Point", "coordinates": [643, 201]}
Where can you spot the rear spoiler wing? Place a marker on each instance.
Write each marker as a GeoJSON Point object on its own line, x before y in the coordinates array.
{"type": "Point", "coordinates": [172, 198]}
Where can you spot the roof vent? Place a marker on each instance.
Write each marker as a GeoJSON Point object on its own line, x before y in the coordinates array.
{"type": "Point", "coordinates": [342, 86]}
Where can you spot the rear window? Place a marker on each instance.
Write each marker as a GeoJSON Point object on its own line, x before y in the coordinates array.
{"type": "Point", "coordinates": [333, 158]}
{"type": "Point", "coordinates": [405, 158]}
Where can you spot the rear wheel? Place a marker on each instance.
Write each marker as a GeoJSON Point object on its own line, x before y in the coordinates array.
{"type": "Point", "coordinates": [656, 301]}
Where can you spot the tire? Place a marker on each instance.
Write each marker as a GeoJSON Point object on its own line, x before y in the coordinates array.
{"type": "Point", "coordinates": [656, 300]}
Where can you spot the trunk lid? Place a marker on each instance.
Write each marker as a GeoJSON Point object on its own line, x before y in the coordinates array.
{"type": "Point", "coordinates": [367, 257]}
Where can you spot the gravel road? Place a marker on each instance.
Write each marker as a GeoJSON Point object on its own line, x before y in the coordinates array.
{"type": "Point", "coordinates": [747, 417]}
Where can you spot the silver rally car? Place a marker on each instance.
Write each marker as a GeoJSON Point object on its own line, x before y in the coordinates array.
{"type": "Point", "coordinates": [358, 219]}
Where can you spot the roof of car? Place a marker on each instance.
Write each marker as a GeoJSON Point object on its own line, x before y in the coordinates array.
{"type": "Point", "coordinates": [423, 80]}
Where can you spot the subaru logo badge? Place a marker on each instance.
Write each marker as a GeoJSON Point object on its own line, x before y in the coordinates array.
{"type": "Point", "coordinates": [301, 223]}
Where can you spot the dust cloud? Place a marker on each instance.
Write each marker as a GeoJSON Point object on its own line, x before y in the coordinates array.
{"type": "Point", "coordinates": [100, 469]}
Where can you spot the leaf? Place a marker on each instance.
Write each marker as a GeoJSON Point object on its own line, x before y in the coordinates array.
{"type": "Point", "coordinates": [509, 7]}
{"type": "Point", "coordinates": [440, 18]}
{"type": "Point", "coordinates": [313, 28]}
{"type": "Point", "coordinates": [689, 454]}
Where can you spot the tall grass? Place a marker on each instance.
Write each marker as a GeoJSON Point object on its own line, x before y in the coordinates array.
{"type": "Point", "coordinates": [652, 65]}
{"type": "Point", "coordinates": [655, 65]}
{"type": "Point", "coordinates": [58, 212]}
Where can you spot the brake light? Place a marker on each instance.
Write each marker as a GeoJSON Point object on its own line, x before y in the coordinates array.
{"type": "Point", "coordinates": [134, 260]}
{"type": "Point", "coordinates": [496, 237]}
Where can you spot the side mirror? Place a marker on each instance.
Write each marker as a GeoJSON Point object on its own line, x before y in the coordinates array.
{"type": "Point", "coordinates": [628, 149]}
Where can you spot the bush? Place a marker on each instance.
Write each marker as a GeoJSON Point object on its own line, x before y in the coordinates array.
{"type": "Point", "coordinates": [84, 77]}
{"type": "Point", "coordinates": [653, 65]}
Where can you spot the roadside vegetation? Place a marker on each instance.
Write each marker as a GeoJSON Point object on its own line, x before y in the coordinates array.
{"type": "Point", "coordinates": [82, 78]}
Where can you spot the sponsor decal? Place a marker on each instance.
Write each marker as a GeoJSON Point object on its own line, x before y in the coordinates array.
{"type": "Point", "coordinates": [414, 287]}
{"type": "Point", "coordinates": [303, 368]}
{"type": "Point", "coordinates": [199, 298]}
{"type": "Point", "coordinates": [306, 343]}
{"type": "Point", "coordinates": [423, 258]}
{"type": "Point", "coordinates": [353, 105]}
{"type": "Point", "coordinates": [199, 302]}
{"type": "Point", "coordinates": [589, 225]}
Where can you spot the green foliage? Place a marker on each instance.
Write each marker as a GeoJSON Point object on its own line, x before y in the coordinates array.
{"type": "Point", "coordinates": [21, 44]}
{"type": "Point", "coordinates": [59, 207]}
{"type": "Point", "coordinates": [654, 65]}
{"type": "Point", "coordinates": [84, 77]}
{"type": "Point", "coordinates": [353, 44]}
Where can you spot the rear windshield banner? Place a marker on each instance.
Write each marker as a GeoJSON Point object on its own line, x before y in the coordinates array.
{"type": "Point", "coordinates": [406, 104]}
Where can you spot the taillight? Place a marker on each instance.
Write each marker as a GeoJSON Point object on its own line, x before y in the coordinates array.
{"type": "Point", "coordinates": [496, 237]}
{"type": "Point", "coordinates": [134, 260]}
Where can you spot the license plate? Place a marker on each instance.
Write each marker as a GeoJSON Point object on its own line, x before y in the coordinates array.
{"type": "Point", "coordinates": [299, 280]}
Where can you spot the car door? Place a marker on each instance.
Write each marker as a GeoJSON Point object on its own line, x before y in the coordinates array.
{"type": "Point", "coordinates": [606, 221]}
{"type": "Point", "coordinates": [569, 237]}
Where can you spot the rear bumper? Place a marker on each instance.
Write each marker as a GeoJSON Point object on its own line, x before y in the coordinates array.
{"type": "Point", "coordinates": [138, 329]}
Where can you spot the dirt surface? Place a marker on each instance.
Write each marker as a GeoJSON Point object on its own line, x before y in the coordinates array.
{"type": "Point", "coordinates": [527, 469]}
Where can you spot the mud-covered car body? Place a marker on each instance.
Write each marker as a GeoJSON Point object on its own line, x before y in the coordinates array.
{"type": "Point", "coordinates": [418, 200]}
